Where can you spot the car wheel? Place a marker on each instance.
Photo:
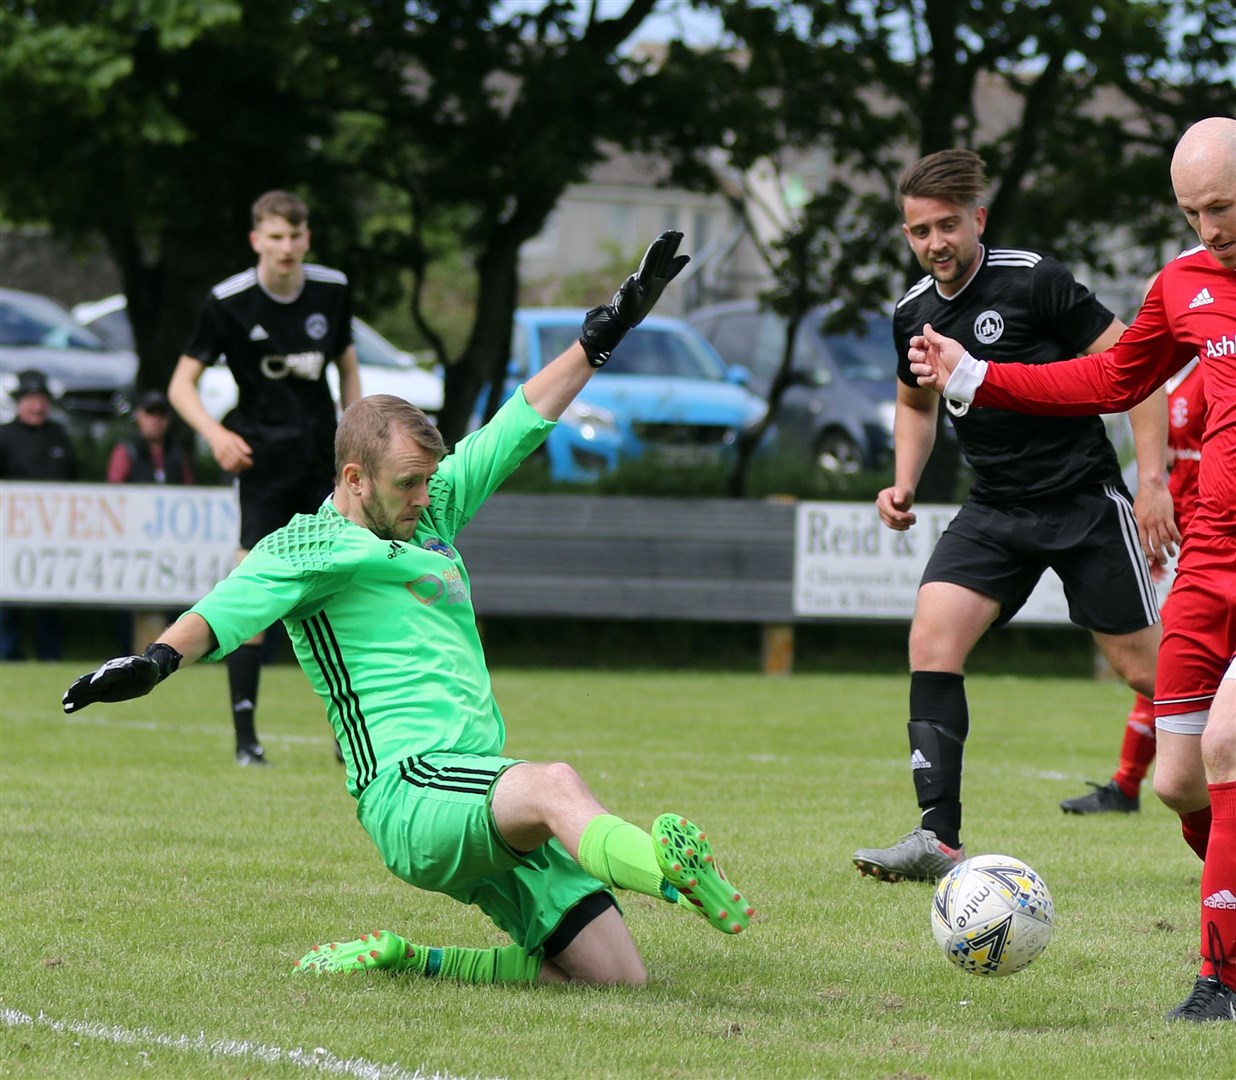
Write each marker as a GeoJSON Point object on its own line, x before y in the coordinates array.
{"type": "Point", "coordinates": [836, 454]}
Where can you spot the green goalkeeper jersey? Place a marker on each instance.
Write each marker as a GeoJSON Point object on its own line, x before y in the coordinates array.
{"type": "Point", "coordinates": [385, 629]}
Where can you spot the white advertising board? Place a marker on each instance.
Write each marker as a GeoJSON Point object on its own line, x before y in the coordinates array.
{"type": "Point", "coordinates": [114, 545]}
{"type": "Point", "coordinates": [849, 566]}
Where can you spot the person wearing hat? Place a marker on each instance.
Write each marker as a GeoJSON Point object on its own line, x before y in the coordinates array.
{"type": "Point", "coordinates": [33, 447]}
{"type": "Point", "coordinates": [149, 456]}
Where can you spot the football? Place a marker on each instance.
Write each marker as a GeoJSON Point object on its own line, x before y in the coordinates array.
{"type": "Point", "coordinates": [992, 915]}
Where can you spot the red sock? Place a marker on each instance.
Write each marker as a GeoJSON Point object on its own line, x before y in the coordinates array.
{"type": "Point", "coordinates": [1137, 751]}
{"type": "Point", "coordinates": [1195, 828]}
{"type": "Point", "coordinates": [1219, 887]}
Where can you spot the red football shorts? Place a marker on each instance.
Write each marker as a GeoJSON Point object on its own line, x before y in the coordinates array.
{"type": "Point", "coordinates": [1199, 632]}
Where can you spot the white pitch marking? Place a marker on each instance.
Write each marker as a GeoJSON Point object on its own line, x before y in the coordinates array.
{"type": "Point", "coordinates": [319, 1059]}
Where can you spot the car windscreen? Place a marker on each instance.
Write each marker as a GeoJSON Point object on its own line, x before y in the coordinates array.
{"type": "Point", "coordinates": [33, 321]}
{"type": "Point", "coordinates": [114, 329]}
{"type": "Point", "coordinates": [669, 353]}
{"type": "Point", "coordinates": [868, 353]}
{"type": "Point", "coordinates": [373, 350]}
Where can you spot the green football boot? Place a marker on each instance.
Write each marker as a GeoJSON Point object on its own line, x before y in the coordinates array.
{"type": "Point", "coordinates": [686, 859]}
{"type": "Point", "coordinates": [381, 951]}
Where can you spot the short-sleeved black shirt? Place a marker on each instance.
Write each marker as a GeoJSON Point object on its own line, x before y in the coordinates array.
{"type": "Point", "coordinates": [1020, 306]}
{"type": "Point", "coordinates": [277, 351]}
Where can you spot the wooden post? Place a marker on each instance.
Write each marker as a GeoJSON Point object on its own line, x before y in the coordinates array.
{"type": "Point", "coordinates": [1103, 670]}
{"type": "Point", "coordinates": [147, 626]}
{"type": "Point", "coordinates": [778, 648]}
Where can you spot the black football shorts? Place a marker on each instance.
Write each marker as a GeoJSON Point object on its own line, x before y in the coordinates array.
{"type": "Point", "coordinates": [1089, 537]}
{"type": "Point", "coordinates": [268, 503]}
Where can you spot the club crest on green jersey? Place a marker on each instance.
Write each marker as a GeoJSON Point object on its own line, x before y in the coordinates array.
{"type": "Point", "coordinates": [439, 546]}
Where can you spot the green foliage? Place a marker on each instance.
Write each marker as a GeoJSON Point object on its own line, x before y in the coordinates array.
{"type": "Point", "coordinates": [1100, 94]}
{"type": "Point", "coordinates": [433, 139]}
{"type": "Point", "coordinates": [873, 648]}
{"type": "Point", "coordinates": [509, 104]}
{"type": "Point", "coordinates": [1093, 98]}
{"type": "Point", "coordinates": [586, 290]}
{"type": "Point", "coordinates": [155, 125]}
{"type": "Point", "coordinates": [156, 896]}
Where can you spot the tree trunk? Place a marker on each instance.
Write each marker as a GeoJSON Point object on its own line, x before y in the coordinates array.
{"type": "Point", "coordinates": [484, 360]}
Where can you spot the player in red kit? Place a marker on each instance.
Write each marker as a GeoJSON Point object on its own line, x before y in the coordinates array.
{"type": "Point", "coordinates": [1190, 311]}
{"type": "Point", "coordinates": [1186, 413]}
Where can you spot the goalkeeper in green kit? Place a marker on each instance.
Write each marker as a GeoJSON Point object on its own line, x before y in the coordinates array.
{"type": "Point", "coordinates": [378, 605]}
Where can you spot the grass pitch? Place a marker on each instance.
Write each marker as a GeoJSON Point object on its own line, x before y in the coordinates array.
{"type": "Point", "coordinates": [155, 896]}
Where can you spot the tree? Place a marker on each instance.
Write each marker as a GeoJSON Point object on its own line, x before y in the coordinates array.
{"type": "Point", "coordinates": [1097, 94]}
{"type": "Point", "coordinates": [475, 125]}
{"type": "Point", "coordinates": [436, 131]}
{"type": "Point", "coordinates": [421, 129]}
{"type": "Point", "coordinates": [154, 125]}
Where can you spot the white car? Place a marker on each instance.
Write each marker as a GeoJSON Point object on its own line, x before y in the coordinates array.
{"type": "Point", "coordinates": [384, 369]}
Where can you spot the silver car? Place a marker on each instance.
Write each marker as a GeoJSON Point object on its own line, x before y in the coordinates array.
{"type": "Point", "coordinates": [90, 382]}
{"type": "Point", "coordinates": [384, 368]}
{"type": "Point", "coordinates": [838, 409]}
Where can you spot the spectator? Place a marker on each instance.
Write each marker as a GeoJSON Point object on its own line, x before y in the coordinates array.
{"type": "Point", "coordinates": [148, 457]}
{"type": "Point", "coordinates": [33, 447]}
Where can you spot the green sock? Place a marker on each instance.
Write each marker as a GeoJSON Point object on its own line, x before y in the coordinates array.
{"type": "Point", "coordinates": [618, 853]}
{"type": "Point", "coordinates": [501, 964]}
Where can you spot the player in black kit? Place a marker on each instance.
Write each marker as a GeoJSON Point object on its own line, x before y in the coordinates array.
{"type": "Point", "coordinates": [1047, 491]}
{"type": "Point", "coordinates": [278, 324]}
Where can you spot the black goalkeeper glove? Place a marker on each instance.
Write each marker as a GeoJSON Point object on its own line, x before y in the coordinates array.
{"type": "Point", "coordinates": [606, 325]}
{"type": "Point", "coordinates": [123, 678]}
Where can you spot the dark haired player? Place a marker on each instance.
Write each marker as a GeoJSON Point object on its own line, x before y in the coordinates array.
{"type": "Point", "coordinates": [278, 324]}
{"type": "Point", "coordinates": [1047, 491]}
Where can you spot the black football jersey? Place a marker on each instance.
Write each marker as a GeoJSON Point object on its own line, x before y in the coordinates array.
{"type": "Point", "coordinates": [1026, 307]}
{"type": "Point", "coordinates": [277, 351]}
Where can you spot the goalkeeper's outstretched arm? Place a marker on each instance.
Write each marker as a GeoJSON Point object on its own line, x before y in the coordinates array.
{"type": "Point", "coordinates": [191, 636]}
{"type": "Point", "coordinates": [125, 677]}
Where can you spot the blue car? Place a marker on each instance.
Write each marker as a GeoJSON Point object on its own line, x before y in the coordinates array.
{"type": "Point", "coordinates": [664, 396]}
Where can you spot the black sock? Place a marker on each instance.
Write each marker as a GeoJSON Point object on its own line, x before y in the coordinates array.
{"type": "Point", "coordinates": [939, 724]}
{"type": "Point", "coordinates": [243, 668]}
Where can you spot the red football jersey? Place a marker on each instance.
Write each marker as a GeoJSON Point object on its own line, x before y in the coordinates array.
{"type": "Point", "coordinates": [1190, 311]}
{"type": "Point", "coordinates": [1186, 424]}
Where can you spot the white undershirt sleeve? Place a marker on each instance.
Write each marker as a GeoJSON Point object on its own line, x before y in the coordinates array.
{"type": "Point", "coordinates": [968, 376]}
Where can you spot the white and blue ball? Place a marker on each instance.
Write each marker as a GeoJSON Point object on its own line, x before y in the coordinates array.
{"type": "Point", "coordinates": [992, 915]}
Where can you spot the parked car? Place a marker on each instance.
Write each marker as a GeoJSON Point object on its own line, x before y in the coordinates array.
{"type": "Point", "coordinates": [384, 368]}
{"type": "Point", "coordinates": [665, 396]}
{"type": "Point", "coordinates": [90, 382]}
{"type": "Point", "coordinates": [839, 408]}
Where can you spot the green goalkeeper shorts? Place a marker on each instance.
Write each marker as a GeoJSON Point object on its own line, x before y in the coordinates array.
{"type": "Point", "coordinates": [432, 822]}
